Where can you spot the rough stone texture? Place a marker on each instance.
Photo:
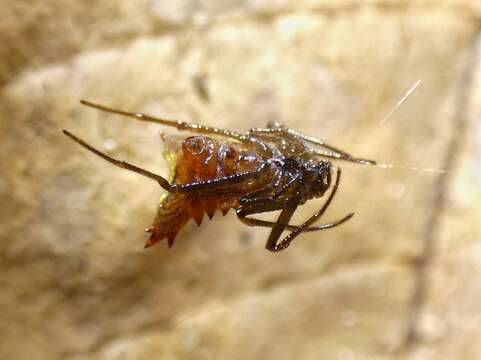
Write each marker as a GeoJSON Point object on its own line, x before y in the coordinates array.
{"type": "Point", "coordinates": [75, 282]}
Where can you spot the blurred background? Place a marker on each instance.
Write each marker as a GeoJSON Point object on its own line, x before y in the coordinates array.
{"type": "Point", "coordinates": [402, 280]}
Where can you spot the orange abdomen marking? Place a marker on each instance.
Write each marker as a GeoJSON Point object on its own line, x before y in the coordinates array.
{"type": "Point", "coordinates": [201, 158]}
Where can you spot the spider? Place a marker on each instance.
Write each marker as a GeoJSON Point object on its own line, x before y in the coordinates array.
{"type": "Point", "coordinates": [261, 170]}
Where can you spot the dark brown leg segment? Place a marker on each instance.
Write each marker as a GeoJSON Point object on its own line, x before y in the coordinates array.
{"type": "Point", "coordinates": [281, 223]}
{"type": "Point", "coordinates": [256, 196]}
{"type": "Point", "coordinates": [179, 125]}
{"type": "Point", "coordinates": [122, 164]}
{"type": "Point", "coordinates": [333, 153]}
{"type": "Point", "coordinates": [289, 238]}
{"type": "Point", "coordinates": [191, 187]}
{"type": "Point", "coordinates": [263, 207]}
{"type": "Point", "coordinates": [215, 184]}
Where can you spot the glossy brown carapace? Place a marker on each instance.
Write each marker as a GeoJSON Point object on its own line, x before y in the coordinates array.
{"type": "Point", "coordinates": [261, 170]}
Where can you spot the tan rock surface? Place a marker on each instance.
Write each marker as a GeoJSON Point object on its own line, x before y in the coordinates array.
{"type": "Point", "coordinates": [76, 283]}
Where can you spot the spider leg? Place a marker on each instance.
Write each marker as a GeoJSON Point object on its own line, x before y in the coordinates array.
{"type": "Point", "coordinates": [185, 126]}
{"type": "Point", "coordinates": [122, 164]}
{"type": "Point", "coordinates": [338, 153]}
{"type": "Point", "coordinates": [343, 154]}
{"type": "Point", "coordinates": [255, 196]}
{"type": "Point", "coordinates": [215, 184]}
{"type": "Point", "coordinates": [191, 187]}
{"type": "Point", "coordinates": [277, 205]}
{"type": "Point", "coordinates": [278, 127]}
{"type": "Point", "coordinates": [179, 125]}
{"type": "Point", "coordinates": [289, 238]}
{"type": "Point", "coordinates": [333, 153]}
{"type": "Point", "coordinates": [282, 221]}
{"type": "Point", "coordinates": [344, 157]}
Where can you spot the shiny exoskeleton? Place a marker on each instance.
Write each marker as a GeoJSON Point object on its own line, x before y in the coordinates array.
{"type": "Point", "coordinates": [262, 170]}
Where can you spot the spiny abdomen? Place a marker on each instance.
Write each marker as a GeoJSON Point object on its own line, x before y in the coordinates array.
{"type": "Point", "coordinates": [200, 158]}
{"type": "Point", "coordinates": [171, 216]}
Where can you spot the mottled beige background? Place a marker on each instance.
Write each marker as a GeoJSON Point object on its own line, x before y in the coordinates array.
{"type": "Point", "coordinates": [402, 280]}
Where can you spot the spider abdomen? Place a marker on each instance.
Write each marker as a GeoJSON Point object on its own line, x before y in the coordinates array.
{"type": "Point", "coordinates": [202, 158]}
